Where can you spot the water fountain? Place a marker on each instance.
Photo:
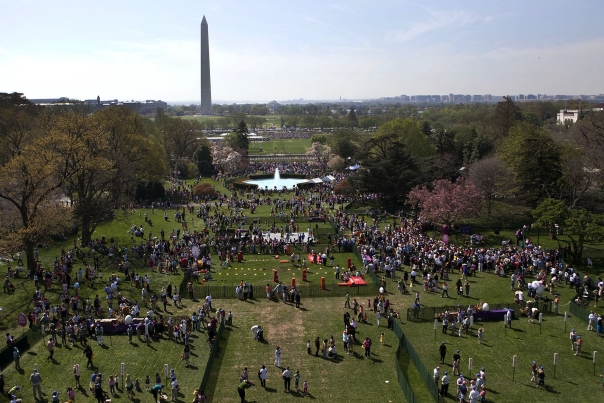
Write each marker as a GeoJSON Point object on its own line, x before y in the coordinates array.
{"type": "Point", "coordinates": [276, 182]}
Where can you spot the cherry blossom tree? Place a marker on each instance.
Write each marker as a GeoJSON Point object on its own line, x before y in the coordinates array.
{"type": "Point", "coordinates": [448, 201]}
{"type": "Point", "coordinates": [319, 155]}
{"type": "Point", "coordinates": [225, 157]}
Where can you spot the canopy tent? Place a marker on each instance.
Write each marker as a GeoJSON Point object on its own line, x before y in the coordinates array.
{"type": "Point", "coordinates": [354, 167]}
{"type": "Point", "coordinates": [328, 178]}
{"type": "Point", "coordinates": [315, 180]}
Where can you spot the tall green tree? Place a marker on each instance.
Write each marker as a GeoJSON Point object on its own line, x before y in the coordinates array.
{"type": "Point", "coordinates": [506, 115]}
{"type": "Point", "coordinates": [344, 143]}
{"type": "Point", "coordinates": [238, 139]}
{"type": "Point", "coordinates": [387, 169]}
{"type": "Point", "coordinates": [535, 160]}
{"type": "Point", "coordinates": [203, 159]}
{"type": "Point", "coordinates": [578, 225]}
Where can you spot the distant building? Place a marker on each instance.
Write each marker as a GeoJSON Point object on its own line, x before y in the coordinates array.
{"type": "Point", "coordinates": [567, 116]}
{"type": "Point", "coordinates": [273, 106]}
{"type": "Point", "coordinates": [598, 107]}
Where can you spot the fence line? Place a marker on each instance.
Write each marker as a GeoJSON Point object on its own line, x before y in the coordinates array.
{"type": "Point", "coordinates": [426, 376]}
{"type": "Point", "coordinates": [402, 381]}
{"type": "Point", "coordinates": [23, 343]}
{"type": "Point", "coordinates": [431, 313]}
{"type": "Point", "coordinates": [579, 312]}
{"type": "Point", "coordinates": [213, 353]}
{"type": "Point", "coordinates": [311, 290]}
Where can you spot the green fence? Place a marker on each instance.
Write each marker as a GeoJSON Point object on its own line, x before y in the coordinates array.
{"type": "Point", "coordinates": [306, 290]}
{"type": "Point", "coordinates": [430, 313]}
{"type": "Point", "coordinates": [23, 343]}
{"type": "Point", "coordinates": [402, 381]}
{"type": "Point", "coordinates": [426, 376]}
{"type": "Point", "coordinates": [213, 354]}
{"type": "Point", "coordinates": [579, 312]}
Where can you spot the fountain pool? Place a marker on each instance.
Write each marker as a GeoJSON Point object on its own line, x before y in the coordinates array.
{"type": "Point", "coordinates": [276, 182]}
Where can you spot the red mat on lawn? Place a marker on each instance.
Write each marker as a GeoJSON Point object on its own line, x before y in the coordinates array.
{"type": "Point", "coordinates": [354, 280]}
{"type": "Point", "coordinates": [311, 259]}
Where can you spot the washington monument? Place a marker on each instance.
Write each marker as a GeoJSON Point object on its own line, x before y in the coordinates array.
{"type": "Point", "coordinates": [206, 86]}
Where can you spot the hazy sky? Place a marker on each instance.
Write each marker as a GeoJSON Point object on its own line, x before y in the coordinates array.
{"type": "Point", "coordinates": [319, 49]}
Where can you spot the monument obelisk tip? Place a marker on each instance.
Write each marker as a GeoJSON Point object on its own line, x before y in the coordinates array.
{"type": "Point", "coordinates": [206, 87]}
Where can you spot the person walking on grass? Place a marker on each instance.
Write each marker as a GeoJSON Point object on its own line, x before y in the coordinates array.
{"type": "Point", "coordinates": [287, 379]}
{"type": "Point", "coordinates": [444, 384]}
{"type": "Point", "coordinates": [35, 379]}
{"type": "Point", "coordinates": [262, 375]}
{"type": "Point", "coordinates": [278, 357]}
{"type": "Point", "coordinates": [241, 389]}
{"type": "Point", "coordinates": [443, 352]}
{"type": "Point", "coordinates": [579, 346]}
{"type": "Point", "coordinates": [51, 349]}
{"type": "Point", "coordinates": [17, 358]}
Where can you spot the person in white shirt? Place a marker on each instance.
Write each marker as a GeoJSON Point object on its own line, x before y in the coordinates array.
{"type": "Point", "coordinates": [592, 321]}
{"type": "Point", "coordinates": [262, 374]}
{"type": "Point", "coordinates": [174, 385]}
{"type": "Point", "coordinates": [474, 395]}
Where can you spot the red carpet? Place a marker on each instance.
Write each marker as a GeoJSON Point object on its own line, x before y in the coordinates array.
{"type": "Point", "coordinates": [354, 280]}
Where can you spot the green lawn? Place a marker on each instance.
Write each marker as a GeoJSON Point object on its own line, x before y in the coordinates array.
{"type": "Point", "coordinates": [290, 328]}
{"type": "Point", "coordinates": [574, 379]}
{"type": "Point", "coordinates": [344, 379]}
{"type": "Point", "coordinates": [271, 120]}
{"type": "Point", "coordinates": [291, 146]}
{"type": "Point", "coordinates": [140, 360]}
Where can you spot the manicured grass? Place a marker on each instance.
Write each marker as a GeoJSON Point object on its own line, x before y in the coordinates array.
{"type": "Point", "coordinates": [290, 146]}
{"type": "Point", "coordinates": [139, 359]}
{"type": "Point", "coordinates": [271, 120]}
{"type": "Point", "coordinates": [290, 328]}
{"type": "Point", "coordinates": [346, 378]}
{"type": "Point", "coordinates": [574, 379]}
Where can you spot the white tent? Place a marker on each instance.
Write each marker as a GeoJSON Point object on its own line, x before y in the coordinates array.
{"type": "Point", "coordinates": [328, 178]}
{"type": "Point", "coordinates": [315, 180]}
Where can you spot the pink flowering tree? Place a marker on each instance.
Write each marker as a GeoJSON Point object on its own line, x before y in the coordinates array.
{"type": "Point", "coordinates": [225, 157]}
{"type": "Point", "coordinates": [448, 201]}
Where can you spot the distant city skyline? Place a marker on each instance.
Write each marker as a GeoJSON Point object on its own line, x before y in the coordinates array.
{"type": "Point", "coordinates": [312, 49]}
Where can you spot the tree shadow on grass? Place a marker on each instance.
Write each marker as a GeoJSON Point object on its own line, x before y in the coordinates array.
{"type": "Point", "coordinates": [211, 386]}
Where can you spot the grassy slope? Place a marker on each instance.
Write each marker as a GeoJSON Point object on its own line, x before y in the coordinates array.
{"type": "Point", "coordinates": [322, 320]}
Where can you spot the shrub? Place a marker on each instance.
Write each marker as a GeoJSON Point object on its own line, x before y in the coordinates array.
{"type": "Point", "coordinates": [205, 191]}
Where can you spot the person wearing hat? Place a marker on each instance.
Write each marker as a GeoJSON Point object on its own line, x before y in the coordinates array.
{"type": "Point", "coordinates": [474, 395]}
{"type": "Point", "coordinates": [479, 382]}
{"type": "Point", "coordinates": [573, 339]}
{"type": "Point", "coordinates": [436, 375]}
{"type": "Point", "coordinates": [463, 391]}
{"type": "Point", "coordinates": [579, 346]}
{"type": "Point", "coordinates": [55, 397]}
{"type": "Point", "coordinates": [241, 390]}
{"type": "Point", "coordinates": [460, 381]}
{"type": "Point", "coordinates": [35, 379]}
{"type": "Point", "coordinates": [174, 384]}
{"type": "Point", "coordinates": [456, 362]}
{"type": "Point", "coordinates": [444, 384]}
{"type": "Point", "coordinates": [156, 391]}
{"type": "Point", "coordinates": [534, 372]}
{"type": "Point", "coordinates": [541, 377]}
